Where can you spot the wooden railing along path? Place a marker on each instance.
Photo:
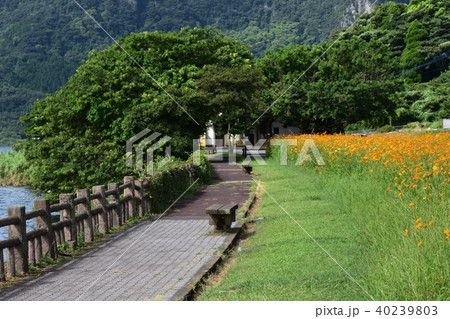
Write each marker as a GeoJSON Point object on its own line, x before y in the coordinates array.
{"type": "Point", "coordinates": [80, 217]}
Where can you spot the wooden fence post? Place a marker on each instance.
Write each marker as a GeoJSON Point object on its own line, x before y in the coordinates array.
{"type": "Point", "coordinates": [130, 191]}
{"type": "Point", "coordinates": [2, 267]}
{"type": "Point", "coordinates": [140, 195]}
{"type": "Point", "coordinates": [69, 214]}
{"type": "Point", "coordinates": [32, 251]}
{"type": "Point", "coordinates": [19, 231]}
{"type": "Point", "coordinates": [86, 208]}
{"type": "Point", "coordinates": [103, 216]}
{"type": "Point", "coordinates": [148, 197]}
{"type": "Point", "coordinates": [11, 262]}
{"type": "Point", "coordinates": [115, 198]}
{"type": "Point", "coordinates": [48, 240]}
{"type": "Point", "coordinates": [38, 248]}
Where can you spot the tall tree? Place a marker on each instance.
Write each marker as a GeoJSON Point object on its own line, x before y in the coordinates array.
{"type": "Point", "coordinates": [77, 136]}
{"type": "Point", "coordinates": [411, 57]}
{"type": "Point", "coordinates": [231, 92]}
{"type": "Point", "coordinates": [354, 81]}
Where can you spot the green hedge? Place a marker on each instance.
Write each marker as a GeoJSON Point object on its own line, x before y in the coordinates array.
{"type": "Point", "coordinates": [169, 182]}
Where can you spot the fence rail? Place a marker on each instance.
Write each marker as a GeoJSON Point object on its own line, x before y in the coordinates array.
{"type": "Point", "coordinates": [81, 215]}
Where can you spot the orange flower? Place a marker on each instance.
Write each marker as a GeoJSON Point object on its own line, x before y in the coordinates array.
{"type": "Point", "coordinates": [418, 219]}
{"type": "Point", "coordinates": [419, 243]}
{"type": "Point", "coordinates": [431, 222]}
{"type": "Point", "coordinates": [388, 188]}
{"type": "Point", "coordinates": [419, 225]}
{"type": "Point", "coordinates": [406, 232]}
{"type": "Point", "coordinates": [411, 204]}
{"type": "Point", "coordinates": [446, 231]}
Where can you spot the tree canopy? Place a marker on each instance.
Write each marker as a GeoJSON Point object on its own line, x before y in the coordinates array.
{"type": "Point", "coordinates": [354, 81]}
{"type": "Point", "coordinates": [78, 135]}
{"type": "Point", "coordinates": [357, 80]}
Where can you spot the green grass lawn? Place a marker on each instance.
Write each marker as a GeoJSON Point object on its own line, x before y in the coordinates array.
{"type": "Point", "coordinates": [281, 262]}
{"type": "Point", "coordinates": [352, 220]}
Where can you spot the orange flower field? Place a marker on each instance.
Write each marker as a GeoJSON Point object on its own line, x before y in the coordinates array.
{"type": "Point", "coordinates": [414, 167]}
{"type": "Point", "coordinates": [392, 190]}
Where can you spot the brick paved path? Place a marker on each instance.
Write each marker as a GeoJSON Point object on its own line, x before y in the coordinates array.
{"type": "Point", "coordinates": [160, 259]}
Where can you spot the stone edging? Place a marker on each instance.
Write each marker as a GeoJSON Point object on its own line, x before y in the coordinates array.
{"type": "Point", "coordinates": [188, 291]}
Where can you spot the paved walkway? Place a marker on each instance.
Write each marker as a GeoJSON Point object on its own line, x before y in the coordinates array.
{"type": "Point", "coordinates": [159, 260]}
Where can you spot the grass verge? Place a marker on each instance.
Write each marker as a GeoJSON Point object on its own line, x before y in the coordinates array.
{"type": "Point", "coordinates": [281, 262]}
{"type": "Point", "coordinates": [352, 220]}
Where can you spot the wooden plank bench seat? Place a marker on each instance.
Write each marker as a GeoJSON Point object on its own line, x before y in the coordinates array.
{"type": "Point", "coordinates": [222, 216]}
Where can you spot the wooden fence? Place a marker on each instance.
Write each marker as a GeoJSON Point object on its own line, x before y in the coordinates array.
{"type": "Point", "coordinates": [80, 216]}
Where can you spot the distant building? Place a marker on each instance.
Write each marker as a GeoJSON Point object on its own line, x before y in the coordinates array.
{"type": "Point", "coordinates": [446, 123]}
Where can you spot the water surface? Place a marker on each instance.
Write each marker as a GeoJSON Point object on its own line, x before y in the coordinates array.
{"type": "Point", "coordinates": [15, 196]}
{"type": "Point", "coordinates": [4, 149]}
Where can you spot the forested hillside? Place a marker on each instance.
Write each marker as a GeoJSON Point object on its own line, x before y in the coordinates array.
{"type": "Point", "coordinates": [364, 79]}
{"type": "Point", "coordinates": [43, 42]}
{"type": "Point", "coordinates": [415, 34]}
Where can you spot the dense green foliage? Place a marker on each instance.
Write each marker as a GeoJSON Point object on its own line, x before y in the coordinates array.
{"type": "Point", "coordinates": [42, 43]}
{"type": "Point", "coordinates": [172, 180]}
{"type": "Point", "coordinates": [14, 169]}
{"type": "Point", "coordinates": [231, 92]}
{"type": "Point", "coordinates": [357, 80]}
{"type": "Point", "coordinates": [415, 34]}
{"type": "Point", "coordinates": [77, 136]}
{"type": "Point", "coordinates": [354, 81]}
{"type": "Point", "coordinates": [426, 102]}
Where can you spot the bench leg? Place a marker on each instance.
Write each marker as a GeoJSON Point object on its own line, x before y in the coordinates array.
{"type": "Point", "coordinates": [221, 222]}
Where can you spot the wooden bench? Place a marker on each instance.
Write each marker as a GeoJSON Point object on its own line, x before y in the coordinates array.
{"type": "Point", "coordinates": [222, 216]}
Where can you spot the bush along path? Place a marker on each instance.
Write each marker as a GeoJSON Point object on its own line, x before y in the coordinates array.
{"type": "Point", "coordinates": [154, 260]}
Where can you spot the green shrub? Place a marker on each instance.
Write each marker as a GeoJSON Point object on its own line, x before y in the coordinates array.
{"type": "Point", "coordinates": [438, 124]}
{"type": "Point", "coordinates": [173, 179]}
{"type": "Point", "coordinates": [359, 126]}
{"type": "Point", "coordinates": [14, 169]}
{"type": "Point", "coordinates": [386, 129]}
{"type": "Point", "coordinates": [203, 170]}
{"type": "Point", "coordinates": [413, 125]}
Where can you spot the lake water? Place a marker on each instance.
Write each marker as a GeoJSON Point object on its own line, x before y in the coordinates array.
{"type": "Point", "coordinates": [4, 149]}
{"type": "Point", "coordinates": [15, 196]}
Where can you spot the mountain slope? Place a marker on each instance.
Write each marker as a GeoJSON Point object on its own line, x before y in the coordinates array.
{"type": "Point", "coordinates": [43, 42]}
